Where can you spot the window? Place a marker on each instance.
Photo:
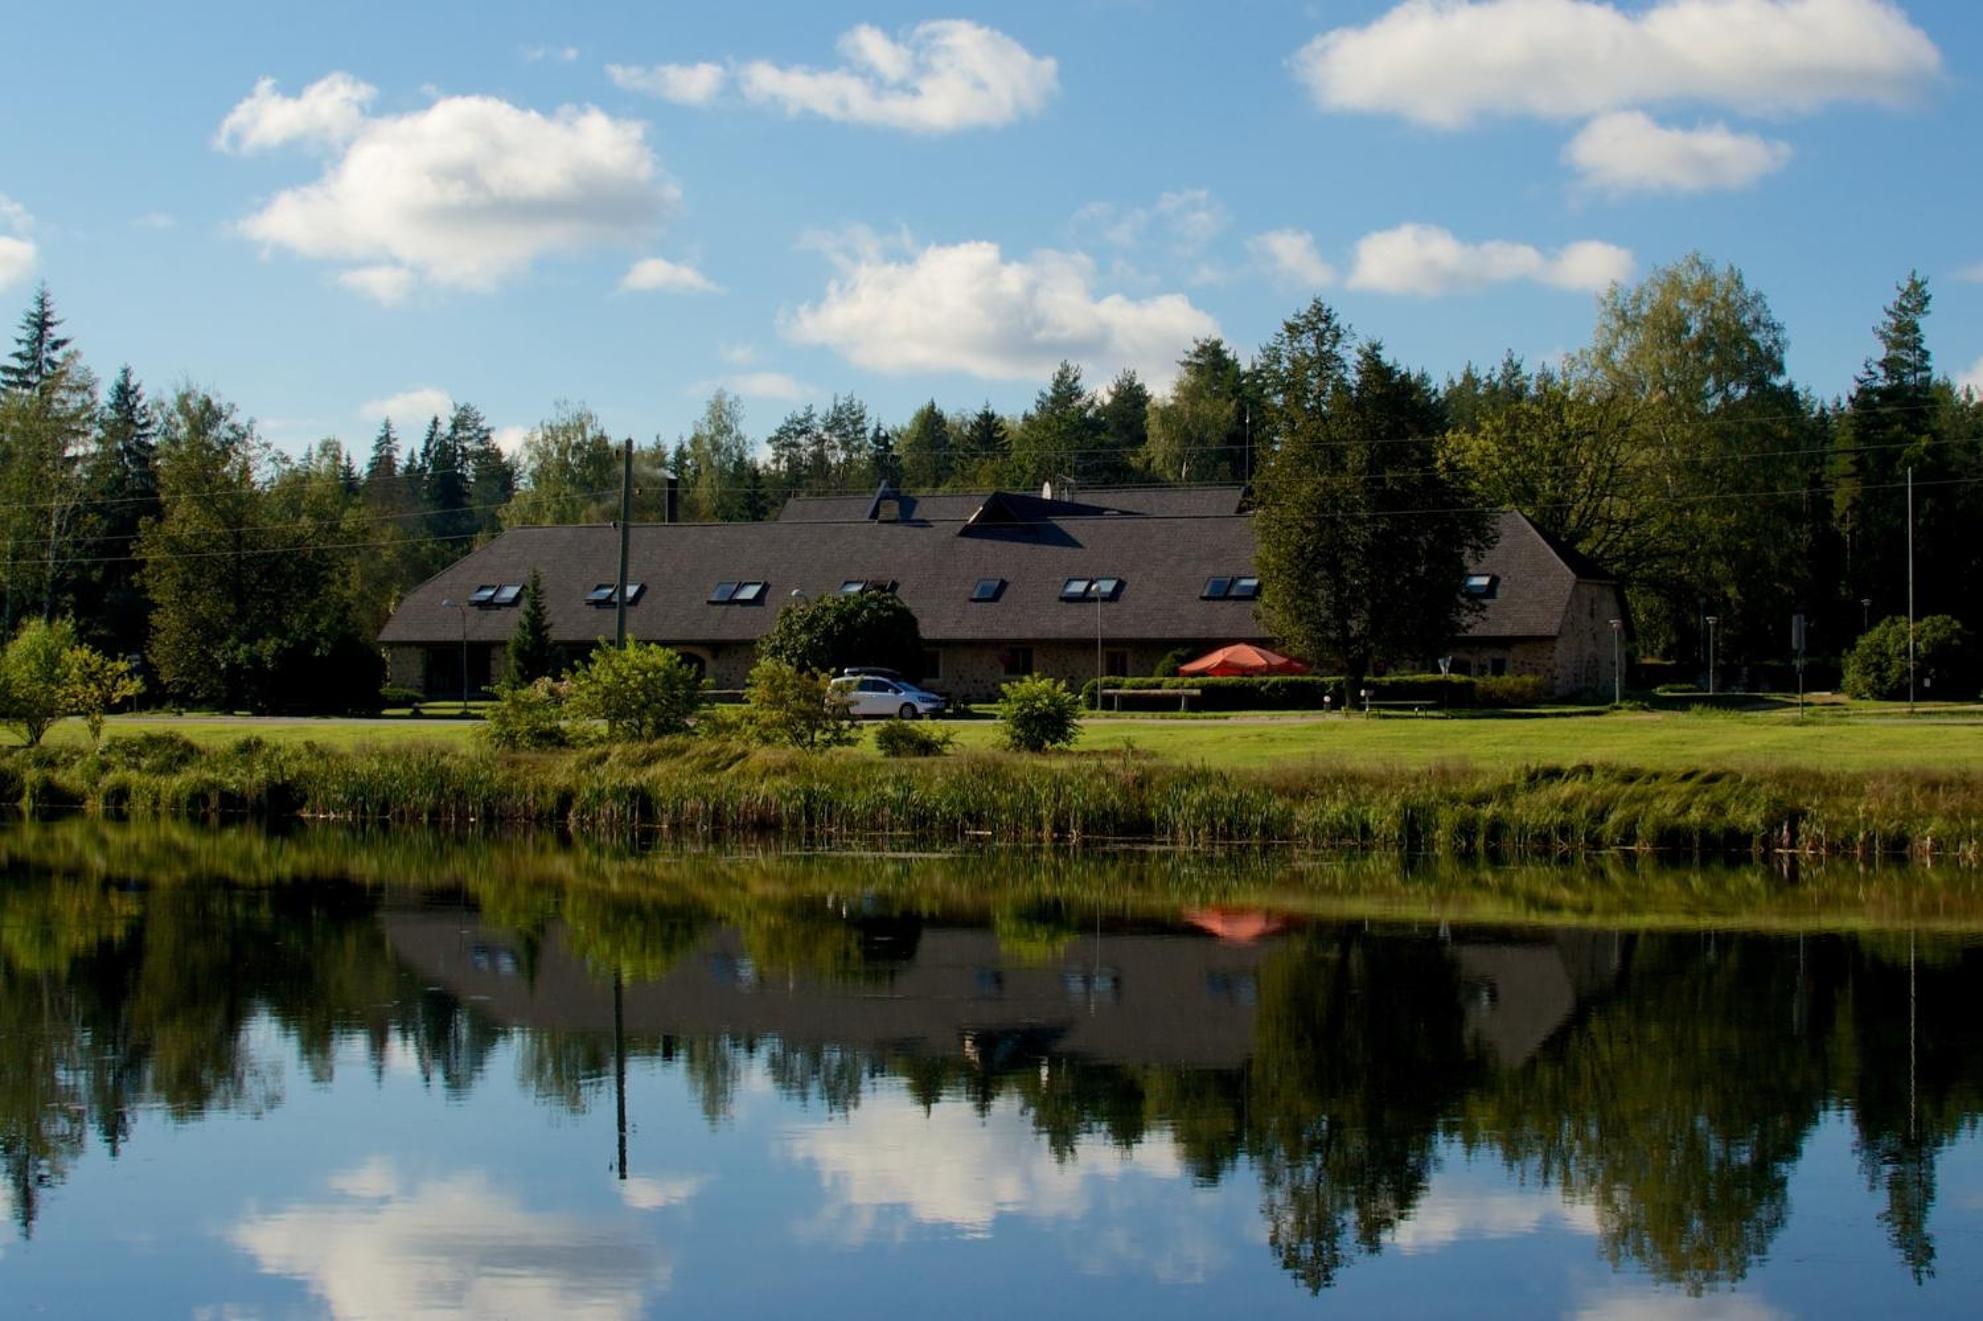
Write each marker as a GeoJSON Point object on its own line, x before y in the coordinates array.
{"type": "Point", "coordinates": [874, 686]}
{"type": "Point", "coordinates": [604, 594]}
{"type": "Point", "coordinates": [855, 586]}
{"type": "Point", "coordinates": [483, 594]}
{"type": "Point", "coordinates": [1018, 662]}
{"type": "Point", "coordinates": [721, 593]}
{"type": "Point", "coordinates": [1106, 589]}
{"type": "Point", "coordinates": [1115, 664]}
{"type": "Point", "coordinates": [507, 594]}
{"type": "Point", "coordinates": [1243, 589]}
{"type": "Point", "coordinates": [1484, 586]}
{"type": "Point", "coordinates": [1075, 589]}
{"type": "Point", "coordinates": [748, 594]}
{"type": "Point", "coordinates": [1215, 589]}
{"type": "Point", "coordinates": [1091, 589]}
{"type": "Point", "coordinates": [987, 589]}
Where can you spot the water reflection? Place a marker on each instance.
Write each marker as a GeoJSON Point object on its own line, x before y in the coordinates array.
{"type": "Point", "coordinates": [1085, 1053]}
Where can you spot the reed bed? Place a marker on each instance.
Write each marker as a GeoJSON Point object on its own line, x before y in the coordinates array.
{"type": "Point", "coordinates": [708, 789]}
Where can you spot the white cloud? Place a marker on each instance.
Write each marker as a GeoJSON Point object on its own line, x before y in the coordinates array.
{"type": "Point", "coordinates": [963, 307]}
{"type": "Point", "coordinates": [659, 274]}
{"type": "Point", "coordinates": [156, 220]}
{"type": "Point", "coordinates": [385, 285]}
{"type": "Point", "coordinates": [329, 111]}
{"type": "Point", "coordinates": [684, 84]}
{"type": "Point", "coordinates": [409, 410]}
{"type": "Point", "coordinates": [1290, 258]}
{"type": "Point", "coordinates": [1646, 1305]}
{"type": "Point", "coordinates": [943, 75]}
{"type": "Point", "coordinates": [1449, 1215]}
{"type": "Point", "coordinates": [560, 54]}
{"type": "Point", "coordinates": [510, 439]}
{"type": "Point", "coordinates": [737, 355]}
{"type": "Point", "coordinates": [1628, 152]}
{"type": "Point", "coordinates": [645, 1194]}
{"type": "Point", "coordinates": [1448, 62]}
{"type": "Point", "coordinates": [1972, 380]}
{"type": "Point", "coordinates": [1185, 221]}
{"type": "Point", "coordinates": [17, 251]}
{"type": "Point", "coordinates": [467, 192]}
{"type": "Point", "coordinates": [1427, 260]}
{"type": "Point", "coordinates": [1971, 274]}
{"type": "Point", "coordinates": [757, 385]}
{"type": "Point", "coordinates": [451, 1247]}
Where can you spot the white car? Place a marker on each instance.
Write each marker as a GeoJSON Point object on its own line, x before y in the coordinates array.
{"type": "Point", "coordinates": [870, 695]}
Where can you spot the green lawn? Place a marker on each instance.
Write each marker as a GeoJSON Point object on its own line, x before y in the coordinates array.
{"type": "Point", "coordinates": [1833, 737]}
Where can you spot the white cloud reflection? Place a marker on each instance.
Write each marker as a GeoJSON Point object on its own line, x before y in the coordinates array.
{"type": "Point", "coordinates": [457, 1245]}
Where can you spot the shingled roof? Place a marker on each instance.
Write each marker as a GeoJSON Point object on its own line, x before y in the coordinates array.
{"type": "Point", "coordinates": [1162, 544]}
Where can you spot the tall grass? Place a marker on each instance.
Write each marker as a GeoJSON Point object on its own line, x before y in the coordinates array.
{"type": "Point", "coordinates": [710, 789]}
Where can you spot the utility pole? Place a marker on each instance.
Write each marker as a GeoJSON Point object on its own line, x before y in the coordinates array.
{"type": "Point", "coordinates": [626, 519]}
{"type": "Point", "coordinates": [1910, 589]}
{"type": "Point", "coordinates": [1712, 621]}
{"type": "Point", "coordinates": [1096, 588]}
{"type": "Point", "coordinates": [1617, 662]}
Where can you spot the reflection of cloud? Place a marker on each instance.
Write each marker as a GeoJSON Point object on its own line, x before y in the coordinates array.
{"type": "Point", "coordinates": [644, 1194]}
{"type": "Point", "coordinates": [1646, 1306]}
{"type": "Point", "coordinates": [951, 1168]}
{"type": "Point", "coordinates": [1445, 1217]}
{"type": "Point", "coordinates": [451, 1246]}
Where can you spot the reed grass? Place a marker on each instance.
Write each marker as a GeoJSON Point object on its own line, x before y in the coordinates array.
{"type": "Point", "coordinates": [710, 789]}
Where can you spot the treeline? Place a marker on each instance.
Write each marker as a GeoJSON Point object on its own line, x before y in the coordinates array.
{"type": "Point", "coordinates": [1673, 449]}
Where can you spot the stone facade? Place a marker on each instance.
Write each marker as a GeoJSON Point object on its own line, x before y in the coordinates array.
{"type": "Point", "coordinates": [1580, 661]}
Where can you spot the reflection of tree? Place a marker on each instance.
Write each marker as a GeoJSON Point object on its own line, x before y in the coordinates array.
{"type": "Point", "coordinates": [1359, 1051]}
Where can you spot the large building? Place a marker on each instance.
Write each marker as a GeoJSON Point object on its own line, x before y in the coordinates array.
{"type": "Point", "coordinates": [1003, 584]}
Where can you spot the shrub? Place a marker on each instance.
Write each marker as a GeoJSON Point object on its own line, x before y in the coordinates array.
{"type": "Point", "coordinates": [1304, 692]}
{"type": "Point", "coordinates": [1510, 690]}
{"type": "Point", "coordinates": [1876, 667]}
{"type": "Point", "coordinates": [394, 695]}
{"type": "Point", "coordinates": [92, 683]}
{"type": "Point", "coordinates": [1168, 667]}
{"type": "Point", "coordinates": [795, 707]}
{"type": "Point", "coordinates": [523, 716]}
{"type": "Point", "coordinates": [33, 676]}
{"type": "Point", "coordinates": [1039, 713]}
{"type": "Point", "coordinates": [157, 752]}
{"type": "Point", "coordinates": [639, 691]}
{"type": "Point", "coordinates": [827, 635]}
{"type": "Point", "coordinates": [907, 738]}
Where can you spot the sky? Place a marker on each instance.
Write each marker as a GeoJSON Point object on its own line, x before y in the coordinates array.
{"type": "Point", "coordinates": [333, 214]}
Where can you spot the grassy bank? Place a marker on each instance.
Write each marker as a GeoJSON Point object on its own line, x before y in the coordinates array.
{"type": "Point", "coordinates": [711, 790]}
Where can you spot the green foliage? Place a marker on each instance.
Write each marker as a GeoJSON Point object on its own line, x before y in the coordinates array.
{"type": "Point", "coordinates": [1944, 660]}
{"type": "Point", "coordinates": [1306, 692]}
{"type": "Point", "coordinates": [795, 708]}
{"type": "Point", "coordinates": [1038, 713]}
{"type": "Point", "coordinates": [394, 695]}
{"type": "Point", "coordinates": [1511, 689]}
{"type": "Point", "coordinates": [909, 738]}
{"type": "Point", "coordinates": [34, 678]}
{"type": "Point", "coordinates": [830, 633]}
{"type": "Point", "coordinates": [639, 691]}
{"type": "Point", "coordinates": [526, 716]}
{"type": "Point", "coordinates": [532, 654]}
{"type": "Point", "coordinates": [154, 752]}
{"type": "Point", "coordinates": [1173, 660]}
{"type": "Point", "coordinates": [93, 683]}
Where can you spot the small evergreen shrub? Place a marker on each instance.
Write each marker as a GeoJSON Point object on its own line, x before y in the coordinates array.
{"type": "Point", "coordinates": [1039, 713]}
{"type": "Point", "coordinates": [908, 738]}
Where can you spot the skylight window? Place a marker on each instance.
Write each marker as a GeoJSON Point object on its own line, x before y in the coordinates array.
{"type": "Point", "coordinates": [1215, 589]}
{"type": "Point", "coordinates": [483, 594]}
{"type": "Point", "coordinates": [1484, 586]}
{"type": "Point", "coordinates": [507, 594]}
{"type": "Point", "coordinates": [747, 594]}
{"type": "Point", "coordinates": [1106, 589]}
{"type": "Point", "coordinates": [987, 589]}
{"type": "Point", "coordinates": [605, 594]}
{"type": "Point", "coordinates": [1091, 589]}
{"type": "Point", "coordinates": [1243, 589]}
{"type": "Point", "coordinates": [1075, 589]}
{"type": "Point", "coordinates": [855, 586]}
{"type": "Point", "coordinates": [721, 593]}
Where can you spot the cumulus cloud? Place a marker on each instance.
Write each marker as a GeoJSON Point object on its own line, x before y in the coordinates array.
{"type": "Point", "coordinates": [449, 1247]}
{"type": "Point", "coordinates": [651, 274]}
{"type": "Point", "coordinates": [757, 385]}
{"type": "Point", "coordinates": [1185, 221]}
{"type": "Point", "coordinates": [1427, 260]}
{"type": "Point", "coordinates": [464, 193]}
{"type": "Point", "coordinates": [330, 110]}
{"type": "Point", "coordinates": [1290, 258]}
{"type": "Point", "coordinates": [17, 251]}
{"type": "Point", "coordinates": [641, 1193]}
{"type": "Point", "coordinates": [964, 307]}
{"type": "Point", "coordinates": [1457, 1214]}
{"type": "Point", "coordinates": [409, 410]}
{"type": "Point", "coordinates": [1446, 63]}
{"type": "Point", "coordinates": [684, 84]}
{"type": "Point", "coordinates": [1628, 152]}
{"type": "Point", "coordinates": [939, 77]}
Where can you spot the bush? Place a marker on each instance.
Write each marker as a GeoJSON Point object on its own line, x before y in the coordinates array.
{"type": "Point", "coordinates": [45, 674]}
{"type": "Point", "coordinates": [794, 707]}
{"type": "Point", "coordinates": [1039, 713]}
{"type": "Point", "coordinates": [524, 716]}
{"type": "Point", "coordinates": [1304, 692]}
{"type": "Point", "coordinates": [639, 691]}
{"type": "Point", "coordinates": [908, 738]}
{"type": "Point", "coordinates": [1510, 690]}
{"type": "Point", "coordinates": [827, 635]}
{"type": "Point", "coordinates": [1168, 667]}
{"type": "Point", "coordinates": [394, 695]}
{"type": "Point", "coordinates": [1944, 661]}
{"type": "Point", "coordinates": [154, 753]}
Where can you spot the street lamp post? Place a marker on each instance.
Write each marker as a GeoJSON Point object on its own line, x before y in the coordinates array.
{"type": "Point", "coordinates": [463, 608]}
{"type": "Point", "coordinates": [1617, 662]}
{"type": "Point", "coordinates": [1096, 588]}
{"type": "Point", "coordinates": [1712, 621]}
{"type": "Point", "coordinates": [1865, 613]}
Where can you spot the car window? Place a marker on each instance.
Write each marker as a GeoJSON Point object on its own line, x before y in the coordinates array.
{"type": "Point", "coordinates": [873, 686]}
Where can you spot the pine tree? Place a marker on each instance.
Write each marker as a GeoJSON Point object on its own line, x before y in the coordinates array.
{"type": "Point", "coordinates": [924, 450]}
{"type": "Point", "coordinates": [38, 350]}
{"type": "Point", "coordinates": [1124, 431]}
{"type": "Point", "coordinates": [757, 500]}
{"type": "Point", "coordinates": [984, 449]}
{"type": "Point", "coordinates": [1058, 434]}
{"type": "Point", "coordinates": [383, 466]}
{"type": "Point", "coordinates": [532, 653]}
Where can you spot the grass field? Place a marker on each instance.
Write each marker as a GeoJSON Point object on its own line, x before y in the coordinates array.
{"type": "Point", "coordinates": [1832, 738]}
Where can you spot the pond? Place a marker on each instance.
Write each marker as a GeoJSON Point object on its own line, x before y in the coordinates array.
{"type": "Point", "coordinates": [246, 1074]}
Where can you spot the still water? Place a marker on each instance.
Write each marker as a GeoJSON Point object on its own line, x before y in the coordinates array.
{"type": "Point", "coordinates": [244, 1075]}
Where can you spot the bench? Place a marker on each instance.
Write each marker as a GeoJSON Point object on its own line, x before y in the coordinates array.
{"type": "Point", "coordinates": [1184, 696]}
{"type": "Point", "coordinates": [1411, 704]}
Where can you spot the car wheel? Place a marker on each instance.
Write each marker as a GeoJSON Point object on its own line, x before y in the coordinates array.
{"type": "Point", "coordinates": [908, 711]}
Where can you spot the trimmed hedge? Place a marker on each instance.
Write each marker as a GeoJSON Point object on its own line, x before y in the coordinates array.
{"type": "Point", "coordinates": [1303, 692]}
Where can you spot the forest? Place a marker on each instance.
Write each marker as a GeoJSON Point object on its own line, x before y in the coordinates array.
{"type": "Point", "coordinates": [1673, 449]}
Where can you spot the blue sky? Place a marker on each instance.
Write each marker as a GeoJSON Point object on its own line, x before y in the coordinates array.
{"type": "Point", "coordinates": [627, 205]}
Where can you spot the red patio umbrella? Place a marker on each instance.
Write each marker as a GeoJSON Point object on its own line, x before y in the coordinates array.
{"type": "Point", "coordinates": [1243, 658]}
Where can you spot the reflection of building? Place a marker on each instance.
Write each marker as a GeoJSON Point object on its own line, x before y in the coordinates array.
{"type": "Point", "coordinates": [1519, 993]}
{"type": "Point", "coordinates": [1178, 1000]}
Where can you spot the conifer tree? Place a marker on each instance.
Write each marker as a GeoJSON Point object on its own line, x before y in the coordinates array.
{"type": "Point", "coordinates": [924, 449]}
{"type": "Point", "coordinates": [884, 464]}
{"type": "Point", "coordinates": [532, 653]}
{"type": "Point", "coordinates": [122, 480]}
{"type": "Point", "coordinates": [38, 349]}
{"type": "Point", "coordinates": [383, 466]}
